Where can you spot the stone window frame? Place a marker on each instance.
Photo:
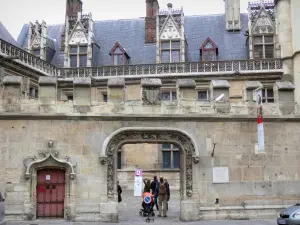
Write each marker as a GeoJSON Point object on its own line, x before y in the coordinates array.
{"type": "Point", "coordinates": [170, 49]}
{"type": "Point", "coordinates": [263, 44]}
{"type": "Point", "coordinates": [265, 97]}
{"type": "Point", "coordinates": [170, 92]}
{"type": "Point", "coordinates": [78, 54]}
{"type": "Point", "coordinates": [102, 94]}
{"type": "Point", "coordinates": [213, 51]}
{"type": "Point", "coordinates": [34, 51]}
{"type": "Point", "coordinates": [172, 149]}
{"type": "Point", "coordinates": [68, 92]}
{"type": "Point", "coordinates": [33, 92]}
{"type": "Point", "coordinates": [207, 94]}
{"type": "Point", "coordinates": [122, 53]}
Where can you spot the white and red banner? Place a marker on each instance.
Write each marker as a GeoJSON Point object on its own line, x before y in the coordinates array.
{"type": "Point", "coordinates": [260, 133]}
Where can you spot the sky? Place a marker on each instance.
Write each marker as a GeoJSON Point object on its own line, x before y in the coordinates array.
{"type": "Point", "coordinates": [15, 13]}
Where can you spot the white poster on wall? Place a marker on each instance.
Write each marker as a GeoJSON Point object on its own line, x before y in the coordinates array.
{"type": "Point", "coordinates": [220, 175]}
{"type": "Point", "coordinates": [138, 183]}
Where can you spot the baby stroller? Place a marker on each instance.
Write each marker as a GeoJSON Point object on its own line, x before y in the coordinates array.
{"type": "Point", "coordinates": [147, 206]}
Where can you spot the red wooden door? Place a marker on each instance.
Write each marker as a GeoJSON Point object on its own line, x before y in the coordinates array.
{"type": "Point", "coordinates": [50, 193]}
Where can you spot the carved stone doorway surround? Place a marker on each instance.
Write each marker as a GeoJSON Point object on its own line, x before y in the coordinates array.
{"type": "Point", "coordinates": [48, 161]}
{"type": "Point", "coordinates": [133, 135]}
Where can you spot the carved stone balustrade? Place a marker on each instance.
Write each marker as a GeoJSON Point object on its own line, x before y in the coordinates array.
{"type": "Point", "coordinates": [234, 67]}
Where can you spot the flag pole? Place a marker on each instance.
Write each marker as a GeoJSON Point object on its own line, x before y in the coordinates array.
{"type": "Point", "coordinates": [260, 123]}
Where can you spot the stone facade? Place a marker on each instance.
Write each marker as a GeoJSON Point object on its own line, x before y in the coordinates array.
{"type": "Point", "coordinates": [86, 143]}
{"type": "Point", "coordinates": [81, 118]}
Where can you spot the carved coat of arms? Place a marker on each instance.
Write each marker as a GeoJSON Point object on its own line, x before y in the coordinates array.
{"type": "Point", "coordinates": [151, 96]}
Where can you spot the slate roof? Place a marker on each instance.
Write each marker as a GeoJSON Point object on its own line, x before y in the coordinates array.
{"type": "Point", "coordinates": [6, 36]}
{"type": "Point", "coordinates": [131, 35]}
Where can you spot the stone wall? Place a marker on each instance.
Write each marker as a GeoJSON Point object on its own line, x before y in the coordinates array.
{"type": "Point", "coordinates": [268, 181]}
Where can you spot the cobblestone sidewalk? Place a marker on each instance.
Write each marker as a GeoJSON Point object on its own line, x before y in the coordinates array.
{"type": "Point", "coordinates": [129, 214]}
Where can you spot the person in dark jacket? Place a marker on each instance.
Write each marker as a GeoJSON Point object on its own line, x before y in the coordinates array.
{"type": "Point", "coordinates": [147, 185]}
{"type": "Point", "coordinates": [154, 191]}
{"type": "Point", "coordinates": [119, 192]}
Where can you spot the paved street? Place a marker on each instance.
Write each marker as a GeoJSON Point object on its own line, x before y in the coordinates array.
{"type": "Point", "coordinates": [129, 214]}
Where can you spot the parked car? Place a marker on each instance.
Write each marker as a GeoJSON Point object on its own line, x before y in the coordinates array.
{"type": "Point", "coordinates": [290, 215]}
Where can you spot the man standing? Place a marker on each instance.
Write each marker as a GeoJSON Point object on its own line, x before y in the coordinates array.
{"type": "Point", "coordinates": [168, 192]}
{"type": "Point", "coordinates": [162, 191]}
{"type": "Point", "coordinates": [154, 190]}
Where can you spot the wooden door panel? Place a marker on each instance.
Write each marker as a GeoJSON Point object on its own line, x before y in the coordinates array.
{"type": "Point", "coordinates": [50, 193]}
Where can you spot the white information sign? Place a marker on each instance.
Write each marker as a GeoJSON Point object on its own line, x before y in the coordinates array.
{"type": "Point", "coordinates": [220, 175]}
{"type": "Point", "coordinates": [138, 183]}
{"type": "Point", "coordinates": [48, 177]}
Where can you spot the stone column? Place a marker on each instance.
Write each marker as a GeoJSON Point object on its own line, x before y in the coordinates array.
{"type": "Point", "coordinates": [115, 90]}
{"type": "Point", "coordinates": [284, 31]}
{"type": "Point", "coordinates": [217, 88]}
{"type": "Point", "coordinates": [82, 95]}
{"type": "Point", "coordinates": [151, 92]}
{"type": "Point", "coordinates": [12, 93]}
{"type": "Point", "coordinates": [72, 200]}
{"type": "Point", "coordinates": [47, 94]}
{"type": "Point", "coordinates": [284, 96]}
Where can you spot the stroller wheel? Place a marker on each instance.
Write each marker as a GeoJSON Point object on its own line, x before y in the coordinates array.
{"type": "Point", "coordinates": [153, 213]}
{"type": "Point", "coordinates": [141, 212]}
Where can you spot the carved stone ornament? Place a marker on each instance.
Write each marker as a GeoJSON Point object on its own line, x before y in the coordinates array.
{"type": "Point", "coordinates": [186, 144]}
{"type": "Point", "coordinates": [196, 159]}
{"type": "Point", "coordinates": [48, 159]}
{"type": "Point", "coordinates": [151, 96]}
{"type": "Point", "coordinates": [103, 160]}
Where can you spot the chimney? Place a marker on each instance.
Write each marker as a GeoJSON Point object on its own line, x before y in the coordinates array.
{"type": "Point", "coordinates": [73, 7]}
{"type": "Point", "coordinates": [150, 21]}
{"type": "Point", "coordinates": [233, 15]}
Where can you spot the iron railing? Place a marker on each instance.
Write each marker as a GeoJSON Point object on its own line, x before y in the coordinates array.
{"type": "Point", "coordinates": [145, 70]}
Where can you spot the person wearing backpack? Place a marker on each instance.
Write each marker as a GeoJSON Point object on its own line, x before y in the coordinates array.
{"type": "Point", "coordinates": [162, 197]}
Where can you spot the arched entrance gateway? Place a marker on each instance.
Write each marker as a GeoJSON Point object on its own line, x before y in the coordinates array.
{"type": "Point", "coordinates": [189, 155]}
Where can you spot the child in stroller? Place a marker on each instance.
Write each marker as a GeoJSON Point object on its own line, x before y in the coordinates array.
{"type": "Point", "coordinates": [147, 205]}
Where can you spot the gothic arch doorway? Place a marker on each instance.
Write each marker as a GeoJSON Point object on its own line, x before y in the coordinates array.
{"type": "Point", "coordinates": [48, 162]}
{"type": "Point", "coordinates": [133, 135]}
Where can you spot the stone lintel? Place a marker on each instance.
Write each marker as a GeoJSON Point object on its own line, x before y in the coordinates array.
{"type": "Point", "coordinates": [249, 85]}
{"type": "Point", "coordinates": [116, 82]}
{"type": "Point", "coordinates": [47, 81]}
{"type": "Point", "coordinates": [186, 83]}
{"type": "Point", "coordinates": [151, 82]}
{"type": "Point", "coordinates": [220, 84]}
{"type": "Point", "coordinates": [285, 85]}
{"type": "Point", "coordinates": [12, 80]}
{"type": "Point", "coordinates": [82, 82]}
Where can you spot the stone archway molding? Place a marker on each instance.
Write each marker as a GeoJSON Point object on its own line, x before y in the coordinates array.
{"type": "Point", "coordinates": [51, 159]}
{"type": "Point", "coordinates": [127, 135]}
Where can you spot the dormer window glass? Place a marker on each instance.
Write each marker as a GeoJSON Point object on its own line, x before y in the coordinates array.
{"type": "Point", "coordinates": [119, 55]}
{"type": "Point", "coordinates": [36, 52]}
{"type": "Point", "coordinates": [170, 51]}
{"type": "Point", "coordinates": [209, 50]}
{"type": "Point", "coordinates": [78, 56]}
{"type": "Point", "coordinates": [263, 47]}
